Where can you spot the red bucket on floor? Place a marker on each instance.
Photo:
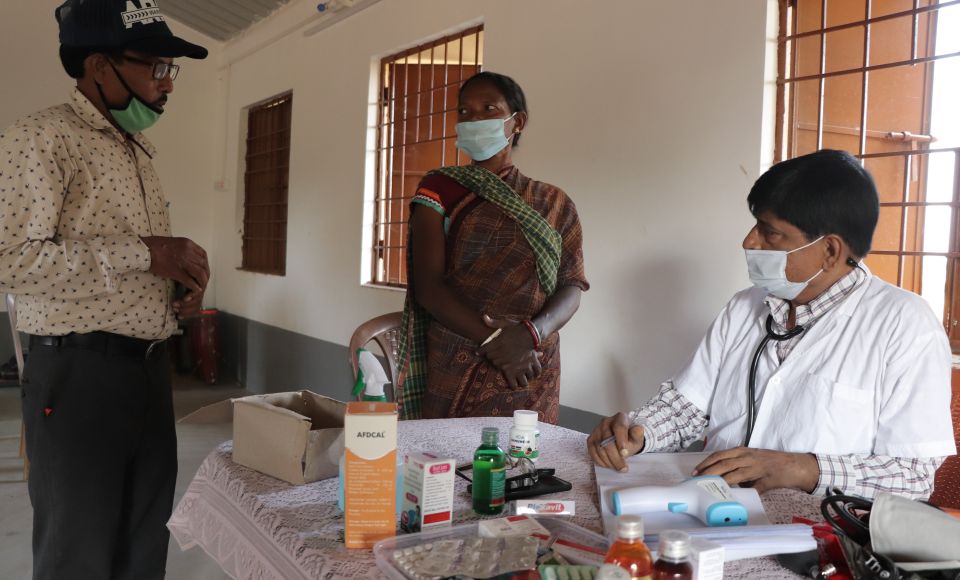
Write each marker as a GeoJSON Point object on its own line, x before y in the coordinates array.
{"type": "Point", "coordinates": [205, 340]}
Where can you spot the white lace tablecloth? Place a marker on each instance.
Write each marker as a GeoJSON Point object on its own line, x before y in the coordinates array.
{"type": "Point", "coordinates": [258, 527]}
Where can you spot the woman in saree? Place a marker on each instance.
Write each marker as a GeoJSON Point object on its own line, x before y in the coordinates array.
{"type": "Point", "coordinates": [495, 264]}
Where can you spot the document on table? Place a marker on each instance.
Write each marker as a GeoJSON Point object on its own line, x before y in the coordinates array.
{"type": "Point", "coordinates": [758, 538]}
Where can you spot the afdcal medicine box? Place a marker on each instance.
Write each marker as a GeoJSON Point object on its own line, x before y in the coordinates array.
{"type": "Point", "coordinates": [370, 476]}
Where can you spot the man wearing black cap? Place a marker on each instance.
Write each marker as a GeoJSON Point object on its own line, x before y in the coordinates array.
{"type": "Point", "coordinates": [85, 245]}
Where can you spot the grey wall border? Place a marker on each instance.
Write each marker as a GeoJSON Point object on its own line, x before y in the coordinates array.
{"type": "Point", "coordinates": [267, 359]}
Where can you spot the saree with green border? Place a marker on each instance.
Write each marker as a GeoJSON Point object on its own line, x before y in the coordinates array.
{"type": "Point", "coordinates": [511, 242]}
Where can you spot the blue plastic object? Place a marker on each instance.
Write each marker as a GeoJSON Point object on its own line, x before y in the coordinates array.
{"type": "Point", "coordinates": [677, 507]}
{"type": "Point", "coordinates": [727, 513]}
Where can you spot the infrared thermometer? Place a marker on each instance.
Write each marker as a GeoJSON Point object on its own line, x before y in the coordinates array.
{"type": "Point", "coordinates": [706, 497]}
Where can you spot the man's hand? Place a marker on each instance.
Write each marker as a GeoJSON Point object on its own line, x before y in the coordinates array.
{"type": "Point", "coordinates": [189, 305]}
{"type": "Point", "coordinates": [763, 469]}
{"type": "Point", "coordinates": [512, 352]}
{"type": "Point", "coordinates": [181, 260]}
{"type": "Point", "coordinates": [629, 441]}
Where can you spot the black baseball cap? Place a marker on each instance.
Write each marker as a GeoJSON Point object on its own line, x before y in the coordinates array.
{"type": "Point", "coordinates": [123, 24]}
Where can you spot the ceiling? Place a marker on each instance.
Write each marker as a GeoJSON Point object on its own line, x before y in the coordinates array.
{"type": "Point", "coordinates": [220, 19]}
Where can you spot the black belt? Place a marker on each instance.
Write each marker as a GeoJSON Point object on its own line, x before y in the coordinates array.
{"type": "Point", "coordinates": [105, 342]}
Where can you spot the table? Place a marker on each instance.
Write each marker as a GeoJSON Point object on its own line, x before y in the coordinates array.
{"type": "Point", "coordinates": [258, 527]}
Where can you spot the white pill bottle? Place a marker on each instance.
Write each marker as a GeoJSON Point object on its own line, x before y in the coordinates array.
{"type": "Point", "coordinates": [525, 436]}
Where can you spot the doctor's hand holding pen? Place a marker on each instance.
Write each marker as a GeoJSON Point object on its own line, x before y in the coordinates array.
{"type": "Point", "coordinates": [613, 440]}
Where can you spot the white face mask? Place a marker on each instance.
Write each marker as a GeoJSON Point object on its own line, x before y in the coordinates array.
{"type": "Point", "coordinates": [768, 270]}
{"type": "Point", "coordinates": [482, 139]}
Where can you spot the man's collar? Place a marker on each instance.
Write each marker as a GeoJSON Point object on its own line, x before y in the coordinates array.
{"type": "Point", "coordinates": [834, 296]}
{"type": "Point", "coordinates": [90, 115]}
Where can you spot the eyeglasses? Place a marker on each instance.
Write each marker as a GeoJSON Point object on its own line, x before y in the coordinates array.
{"type": "Point", "coordinates": [161, 70]}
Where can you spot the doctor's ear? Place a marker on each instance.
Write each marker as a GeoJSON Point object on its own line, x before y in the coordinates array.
{"type": "Point", "coordinates": [835, 250]}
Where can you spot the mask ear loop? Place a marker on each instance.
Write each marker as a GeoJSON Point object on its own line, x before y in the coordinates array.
{"type": "Point", "coordinates": [133, 94]}
{"type": "Point", "coordinates": [516, 132]}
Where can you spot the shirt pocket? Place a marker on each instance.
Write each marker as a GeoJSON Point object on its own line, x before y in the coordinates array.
{"type": "Point", "coordinates": [829, 417]}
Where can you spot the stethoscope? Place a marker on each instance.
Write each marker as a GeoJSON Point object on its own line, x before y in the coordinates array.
{"type": "Point", "coordinates": [752, 387]}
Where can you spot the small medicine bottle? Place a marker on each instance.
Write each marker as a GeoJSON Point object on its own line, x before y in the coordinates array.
{"type": "Point", "coordinates": [674, 561]}
{"type": "Point", "coordinates": [525, 436]}
{"type": "Point", "coordinates": [489, 474]}
{"type": "Point", "coordinates": [628, 551]}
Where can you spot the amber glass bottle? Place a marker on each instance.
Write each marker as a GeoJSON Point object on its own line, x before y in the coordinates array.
{"type": "Point", "coordinates": [674, 560]}
{"type": "Point", "coordinates": [629, 552]}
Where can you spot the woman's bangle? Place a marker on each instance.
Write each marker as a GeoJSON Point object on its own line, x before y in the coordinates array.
{"type": "Point", "coordinates": [534, 333]}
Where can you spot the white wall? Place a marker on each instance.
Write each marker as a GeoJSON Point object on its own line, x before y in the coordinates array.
{"type": "Point", "coordinates": [187, 137]}
{"type": "Point", "coordinates": [651, 115]}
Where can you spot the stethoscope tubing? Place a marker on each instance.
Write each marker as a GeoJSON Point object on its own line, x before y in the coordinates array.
{"type": "Point", "coordinates": [752, 386]}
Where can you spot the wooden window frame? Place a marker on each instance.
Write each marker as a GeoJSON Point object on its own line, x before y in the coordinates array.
{"type": "Point", "coordinates": [391, 207]}
{"type": "Point", "coordinates": [266, 188]}
{"type": "Point", "coordinates": [919, 144]}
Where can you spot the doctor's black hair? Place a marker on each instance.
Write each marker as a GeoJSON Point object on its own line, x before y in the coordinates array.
{"type": "Point", "coordinates": [827, 192]}
{"type": "Point", "coordinates": [511, 91]}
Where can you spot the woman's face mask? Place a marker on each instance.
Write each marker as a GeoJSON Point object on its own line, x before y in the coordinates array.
{"type": "Point", "coordinates": [482, 139]}
{"type": "Point", "coordinates": [768, 271]}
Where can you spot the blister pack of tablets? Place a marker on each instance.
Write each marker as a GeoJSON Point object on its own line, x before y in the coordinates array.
{"type": "Point", "coordinates": [473, 557]}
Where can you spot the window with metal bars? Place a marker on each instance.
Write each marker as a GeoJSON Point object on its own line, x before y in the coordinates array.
{"type": "Point", "coordinates": [881, 79]}
{"type": "Point", "coordinates": [416, 132]}
{"type": "Point", "coordinates": [265, 180]}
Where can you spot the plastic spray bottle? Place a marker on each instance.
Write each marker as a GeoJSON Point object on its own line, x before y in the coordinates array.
{"type": "Point", "coordinates": [370, 377]}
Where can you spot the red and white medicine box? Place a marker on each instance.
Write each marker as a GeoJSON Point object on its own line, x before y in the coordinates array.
{"type": "Point", "coordinates": [427, 492]}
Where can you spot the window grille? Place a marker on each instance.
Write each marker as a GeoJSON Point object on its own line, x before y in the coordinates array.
{"type": "Point", "coordinates": [416, 132]}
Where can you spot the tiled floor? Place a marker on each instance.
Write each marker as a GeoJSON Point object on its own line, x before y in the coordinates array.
{"type": "Point", "coordinates": [195, 442]}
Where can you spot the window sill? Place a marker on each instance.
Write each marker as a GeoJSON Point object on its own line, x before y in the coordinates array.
{"type": "Point", "coordinates": [374, 286]}
{"type": "Point", "coordinates": [265, 272]}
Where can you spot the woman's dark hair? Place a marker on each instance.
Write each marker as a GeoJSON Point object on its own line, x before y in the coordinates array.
{"type": "Point", "coordinates": [827, 192]}
{"type": "Point", "coordinates": [511, 91]}
{"type": "Point", "coordinates": [72, 57]}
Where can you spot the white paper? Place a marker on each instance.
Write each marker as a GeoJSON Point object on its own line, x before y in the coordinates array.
{"type": "Point", "coordinates": [758, 538]}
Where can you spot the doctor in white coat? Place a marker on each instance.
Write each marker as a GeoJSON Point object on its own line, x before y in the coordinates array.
{"type": "Point", "coordinates": [852, 382]}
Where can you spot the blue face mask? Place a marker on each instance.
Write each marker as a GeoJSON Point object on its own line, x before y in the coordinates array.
{"type": "Point", "coordinates": [482, 139]}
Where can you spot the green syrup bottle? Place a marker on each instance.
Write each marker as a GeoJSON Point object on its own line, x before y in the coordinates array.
{"type": "Point", "coordinates": [489, 474]}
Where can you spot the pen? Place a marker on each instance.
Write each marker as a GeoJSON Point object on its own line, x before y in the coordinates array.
{"type": "Point", "coordinates": [495, 334]}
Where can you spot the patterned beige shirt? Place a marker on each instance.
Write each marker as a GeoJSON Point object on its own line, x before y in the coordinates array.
{"type": "Point", "coordinates": [75, 196]}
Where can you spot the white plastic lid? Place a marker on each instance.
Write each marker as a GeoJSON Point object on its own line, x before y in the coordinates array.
{"type": "Point", "coordinates": [630, 527]}
{"type": "Point", "coordinates": [525, 418]}
{"type": "Point", "coordinates": [612, 572]}
{"type": "Point", "coordinates": [374, 388]}
{"type": "Point", "coordinates": [674, 544]}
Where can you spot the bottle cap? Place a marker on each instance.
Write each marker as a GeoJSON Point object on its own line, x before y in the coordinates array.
{"type": "Point", "coordinates": [612, 572]}
{"type": "Point", "coordinates": [491, 436]}
{"type": "Point", "coordinates": [525, 418]}
{"type": "Point", "coordinates": [630, 527]}
{"type": "Point", "coordinates": [674, 544]}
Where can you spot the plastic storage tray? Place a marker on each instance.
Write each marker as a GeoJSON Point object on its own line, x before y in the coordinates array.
{"type": "Point", "coordinates": [384, 550]}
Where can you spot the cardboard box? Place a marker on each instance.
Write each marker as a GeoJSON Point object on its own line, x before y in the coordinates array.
{"type": "Point", "coordinates": [707, 559]}
{"type": "Point", "coordinates": [370, 473]}
{"type": "Point", "coordinates": [427, 492]}
{"type": "Point", "coordinates": [295, 436]}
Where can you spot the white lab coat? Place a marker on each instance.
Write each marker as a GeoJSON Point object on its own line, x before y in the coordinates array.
{"type": "Point", "coordinates": [872, 376]}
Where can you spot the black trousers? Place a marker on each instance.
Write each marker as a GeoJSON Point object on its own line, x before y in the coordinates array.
{"type": "Point", "coordinates": [103, 462]}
